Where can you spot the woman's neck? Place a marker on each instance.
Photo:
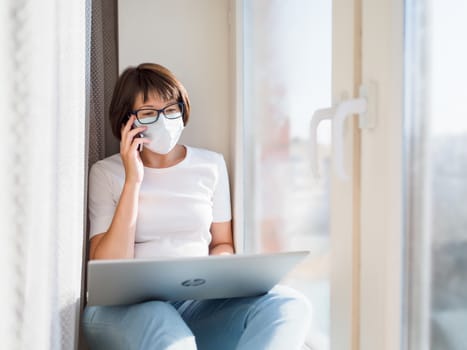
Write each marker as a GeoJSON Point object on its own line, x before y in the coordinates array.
{"type": "Point", "coordinates": [155, 160]}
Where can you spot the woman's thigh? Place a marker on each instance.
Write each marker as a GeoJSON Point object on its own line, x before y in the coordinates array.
{"type": "Point", "coordinates": [279, 319]}
{"type": "Point", "coordinates": [149, 325]}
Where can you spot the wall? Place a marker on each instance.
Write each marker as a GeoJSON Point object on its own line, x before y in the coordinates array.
{"type": "Point", "coordinates": [192, 39]}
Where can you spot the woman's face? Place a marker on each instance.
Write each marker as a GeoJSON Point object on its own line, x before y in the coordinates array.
{"type": "Point", "coordinates": [163, 119]}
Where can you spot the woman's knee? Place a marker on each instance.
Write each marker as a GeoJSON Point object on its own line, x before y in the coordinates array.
{"type": "Point", "coordinates": [289, 304]}
{"type": "Point", "coordinates": [145, 313]}
{"type": "Point", "coordinates": [102, 329]}
{"type": "Point", "coordinates": [149, 325]}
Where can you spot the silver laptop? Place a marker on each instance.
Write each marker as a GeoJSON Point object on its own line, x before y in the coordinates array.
{"type": "Point", "coordinates": [116, 282]}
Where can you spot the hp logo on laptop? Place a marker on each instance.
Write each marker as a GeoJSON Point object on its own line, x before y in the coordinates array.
{"type": "Point", "coordinates": [195, 282]}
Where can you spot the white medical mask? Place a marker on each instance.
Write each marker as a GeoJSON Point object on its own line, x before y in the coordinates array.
{"type": "Point", "coordinates": [163, 134]}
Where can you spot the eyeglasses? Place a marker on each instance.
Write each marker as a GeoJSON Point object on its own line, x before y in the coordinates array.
{"type": "Point", "coordinates": [151, 115]}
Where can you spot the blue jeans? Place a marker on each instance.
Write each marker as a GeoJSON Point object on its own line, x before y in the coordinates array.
{"type": "Point", "coordinates": [277, 320]}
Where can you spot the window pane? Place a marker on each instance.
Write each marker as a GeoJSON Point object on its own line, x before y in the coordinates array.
{"type": "Point", "coordinates": [437, 172]}
{"type": "Point", "coordinates": [287, 62]}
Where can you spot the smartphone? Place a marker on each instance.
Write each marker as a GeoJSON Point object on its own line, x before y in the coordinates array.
{"type": "Point", "coordinates": [140, 146]}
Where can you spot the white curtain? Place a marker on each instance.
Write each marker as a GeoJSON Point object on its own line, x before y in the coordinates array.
{"type": "Point", "coordinates": [42, 179]}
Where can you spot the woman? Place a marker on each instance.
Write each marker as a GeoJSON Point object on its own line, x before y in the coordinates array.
{"type": "Point", "coordinates": [160, 198]}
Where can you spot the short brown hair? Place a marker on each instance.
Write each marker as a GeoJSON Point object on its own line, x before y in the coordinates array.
{"type": "Point", "coordinates": [146, 78]}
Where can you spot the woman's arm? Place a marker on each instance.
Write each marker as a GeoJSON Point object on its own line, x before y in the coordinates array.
{"type": "Point", "coordinates": [119, 240]}
{"type": "Point", "coordinates": [222, 240]}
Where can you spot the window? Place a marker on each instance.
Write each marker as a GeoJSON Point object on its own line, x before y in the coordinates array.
{"type": "Point", "coordinates": [287, 76]}
{"type": "Point", "coordinates": [436, 131]}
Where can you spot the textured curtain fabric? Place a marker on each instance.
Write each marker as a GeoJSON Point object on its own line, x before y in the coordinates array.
{"type": "Point", "coordinates": [103, 68]}
{"type": "Point", "coordinates": [42, 179]}
{"type": "Point", "coordinates": [104, 73]}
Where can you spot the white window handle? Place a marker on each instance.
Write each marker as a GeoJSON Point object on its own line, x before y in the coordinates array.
{"type": "Point", "coordinates": [318, 117]}
{"type": "Point", "coordinates": [338, 115]}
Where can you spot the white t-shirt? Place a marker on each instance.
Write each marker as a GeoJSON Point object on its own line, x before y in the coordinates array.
{"type": "Point", "coordinates": [177, 205]}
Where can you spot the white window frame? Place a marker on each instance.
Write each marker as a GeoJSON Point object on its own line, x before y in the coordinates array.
{"type": "Point", "coordinates": [382, 233]}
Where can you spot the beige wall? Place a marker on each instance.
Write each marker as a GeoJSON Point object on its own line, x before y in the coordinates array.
{"type": "Point", "coordinates": [192, 39]}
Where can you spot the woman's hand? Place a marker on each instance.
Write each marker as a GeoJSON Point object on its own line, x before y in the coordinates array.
{"type": "Point", "coordinates": [134, 169]}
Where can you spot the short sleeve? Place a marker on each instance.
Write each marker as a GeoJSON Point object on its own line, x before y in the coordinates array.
{"type": "Point", "coordinates": [101, 204]}
{"type": "Point", "coordinates": [221, 210]}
